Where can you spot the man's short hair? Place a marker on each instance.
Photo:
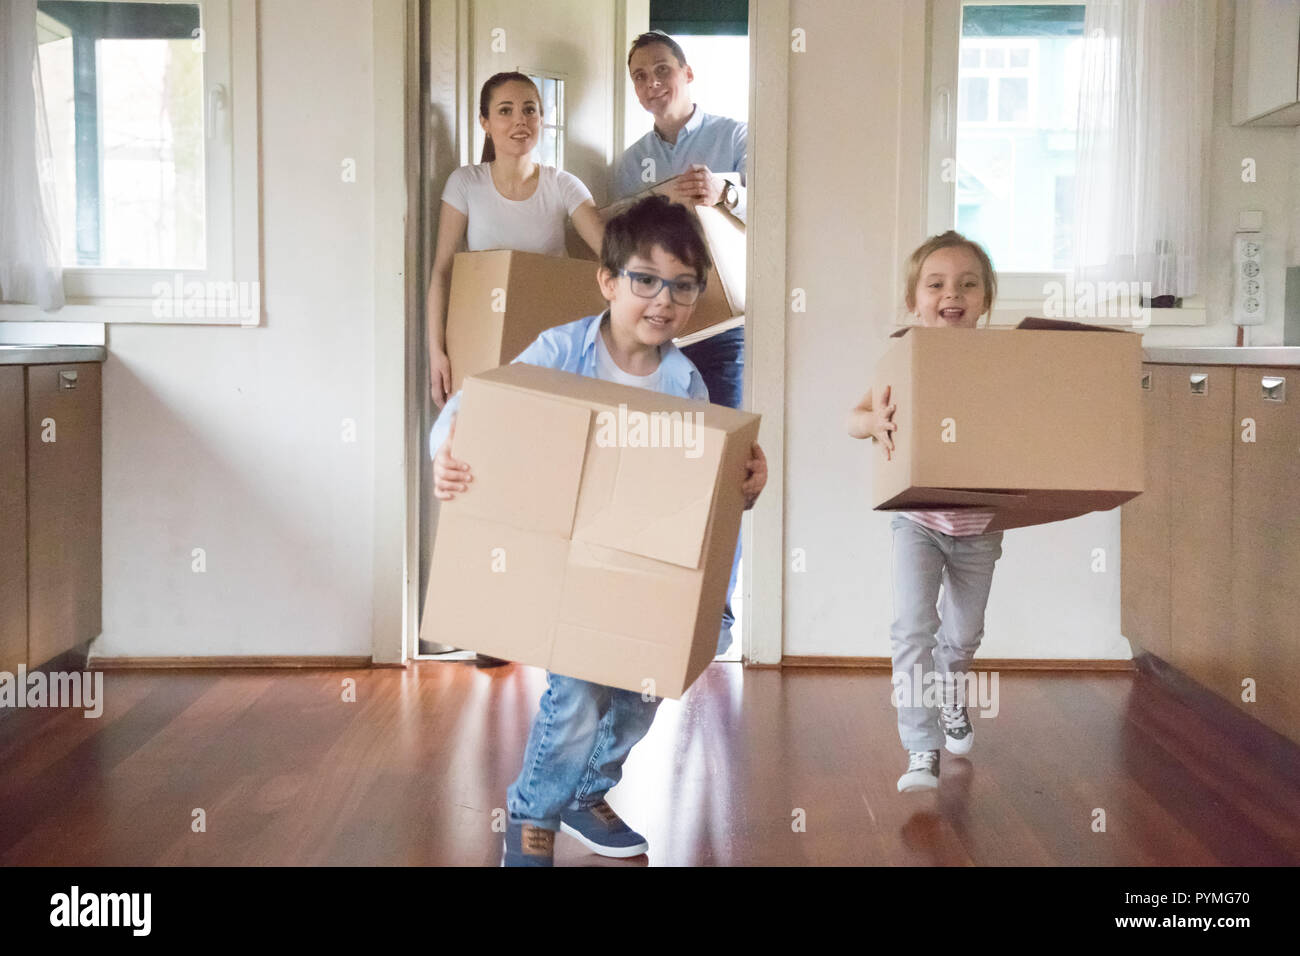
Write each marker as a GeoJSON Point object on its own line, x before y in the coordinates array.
{"type": "Point", "coordinates": [656, 36]}
{"type": "Point", "coordinates": [655, 221]}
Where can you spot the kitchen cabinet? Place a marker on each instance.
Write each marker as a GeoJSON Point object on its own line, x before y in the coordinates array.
{"type": "Point", "coordinates": [1266, 63]}
{"type": "Point", "coordinates": [1144, 528]}
{"type": "Point", "coordinates": [13, 519]}
{"type": "Point", "coordinates": [1266, 544]}
{"type": "Point", "coordinates": [1210, 578]}
{"type": "Point", "coordinates": [1200, 525]}
{"type": "Point", "coordinates": [50, 504]}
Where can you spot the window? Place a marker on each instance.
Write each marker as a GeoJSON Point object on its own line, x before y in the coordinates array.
{"type": "Point", "coordinates": [1007, 135]}
{"type": "Point", "coordinates": [151, 109]}
{"type": "Point", "coordinates": [550, 148]}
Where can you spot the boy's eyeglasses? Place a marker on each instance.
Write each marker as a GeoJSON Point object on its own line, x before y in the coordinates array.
{"type": "Point", "coordinates": [647, 286]}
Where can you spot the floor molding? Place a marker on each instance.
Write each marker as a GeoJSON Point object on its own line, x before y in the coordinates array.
{"type": "Point", "coordinates": [188, 663]}
{"type": "Point", "coordinates": [981, 664]}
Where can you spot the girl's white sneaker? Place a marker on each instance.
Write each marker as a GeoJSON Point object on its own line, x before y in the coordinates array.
{"type": "Point", "coordinates": [922, 771]}
{"type": "Point", "coordinates": [959, 735]}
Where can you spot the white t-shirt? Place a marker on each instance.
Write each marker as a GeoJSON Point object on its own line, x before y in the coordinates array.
{"type": "Point", "coordinates": [607, 369]}
{"type": "Point", "coordinates": [535, 224]}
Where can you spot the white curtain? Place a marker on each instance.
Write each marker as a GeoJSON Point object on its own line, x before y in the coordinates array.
{"type": "Point", "coordinates": [1144, 109]}
{"type": "Point", "coordinates": [30, 269]}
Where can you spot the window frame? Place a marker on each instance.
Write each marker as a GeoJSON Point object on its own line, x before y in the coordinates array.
{"type": "Point", "coordinates": [561, 126]}
{"type": "Point", "coordinates": [1019, 293]}
{"type": "Point", "coordinates": [231, 183]}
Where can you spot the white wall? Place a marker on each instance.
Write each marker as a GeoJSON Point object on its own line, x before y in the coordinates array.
{"type": "Point", "coordinates": [230, 439]}
{"type": "Point", "coordinates": [854, 122]}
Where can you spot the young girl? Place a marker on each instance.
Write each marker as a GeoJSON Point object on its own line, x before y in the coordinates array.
{"type": "Point", "coordinates": [507, 201]}
{"type": "Point", "coordinates": [950, 284]}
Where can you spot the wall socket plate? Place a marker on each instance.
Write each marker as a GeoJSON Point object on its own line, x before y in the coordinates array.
{"type": "Point", "coordinates": [1248, 284]}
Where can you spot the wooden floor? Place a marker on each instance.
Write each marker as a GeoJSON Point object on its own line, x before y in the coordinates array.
{"type": "Point", "coordinates": [288, 773]}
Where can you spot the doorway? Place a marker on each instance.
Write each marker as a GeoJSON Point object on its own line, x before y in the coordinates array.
{"type": "Point", "coordinates": [576, 52]}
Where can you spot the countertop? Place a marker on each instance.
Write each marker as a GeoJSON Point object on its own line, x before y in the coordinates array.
{"type": "Point", "coordinates": [55, 354]}
{"type": "Point", "coordinates": [1269, 355]}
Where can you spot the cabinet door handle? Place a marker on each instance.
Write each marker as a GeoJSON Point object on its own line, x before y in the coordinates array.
{"type": "Point", "coordinates": [68, 378]}
{"type": "Point", "coordinates": [1146, 381]}
{"type": "Point", "coordinates": [1199, 383]}
{"type": "Point", "coordinates": [1272, 388]}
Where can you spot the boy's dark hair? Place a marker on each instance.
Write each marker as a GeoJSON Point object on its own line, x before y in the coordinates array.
{"type": "Point", "coordinates": [655, 221]}
{"type": "Point", "coordinates": [657, 36]}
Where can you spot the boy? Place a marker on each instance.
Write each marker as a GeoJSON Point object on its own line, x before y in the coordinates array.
{"type": "Point", "coordinates": [652, 271]}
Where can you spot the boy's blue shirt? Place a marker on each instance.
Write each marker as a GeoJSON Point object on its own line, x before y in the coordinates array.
{"type": "Point", "coordinates": [572, 348]}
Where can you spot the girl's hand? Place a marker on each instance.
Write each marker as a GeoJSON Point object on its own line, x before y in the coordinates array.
{"type": "Point", "coordinates": [439, 376]}
{"type": "Point", "coordinates": [756, 475]}
{"type": "Point", "coordinates": [883, 424]}
{"type": "Point", "coordinates": [449, 475]}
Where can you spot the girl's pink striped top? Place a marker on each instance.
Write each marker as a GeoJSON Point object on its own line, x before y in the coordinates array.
{"type": "Point", "coordinates": [959, 524]}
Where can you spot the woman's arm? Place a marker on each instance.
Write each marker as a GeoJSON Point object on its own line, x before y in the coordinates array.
{"type": "Point", "coordinates": [452, 226]}
{"type": "Point", "coordinates": [589, 225]}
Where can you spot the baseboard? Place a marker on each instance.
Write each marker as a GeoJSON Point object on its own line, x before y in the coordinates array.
{"type": "Point", "coordinates": [187, 663]}
{"type": "Point", "coordinates": [980, 664]}
{"type": "Point", "coordinates": [1253, 735]}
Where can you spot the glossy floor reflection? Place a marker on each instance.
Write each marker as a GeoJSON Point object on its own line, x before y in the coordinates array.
{"type": "Point", "coordinates": [752, 767]}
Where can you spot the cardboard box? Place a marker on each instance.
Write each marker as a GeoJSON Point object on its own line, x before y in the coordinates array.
{"type": "Point", "coordinates": [722, 306]}
{"type": "Point", "coordinates": [1040, 423]}
{"type": "Point", "coordinates": [501, 300]}
{"type": "Point", "coordinates": [581, 547]}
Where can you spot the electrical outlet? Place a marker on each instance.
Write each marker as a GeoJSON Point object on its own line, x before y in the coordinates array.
{"type": "Point", "coordinates": [1248, 270]}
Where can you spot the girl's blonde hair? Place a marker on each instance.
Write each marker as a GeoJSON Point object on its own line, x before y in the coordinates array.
{"type": "Point", "coordinates": [949, 240]}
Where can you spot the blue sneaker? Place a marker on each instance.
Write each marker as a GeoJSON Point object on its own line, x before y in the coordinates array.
{"type": "Point", "coordinates": [602, 831]}
{"type": "Point", "coordinates": [528, 845]}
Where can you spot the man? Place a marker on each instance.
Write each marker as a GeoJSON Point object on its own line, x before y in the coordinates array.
{"type": "Point", "coordinates": [696, 159]}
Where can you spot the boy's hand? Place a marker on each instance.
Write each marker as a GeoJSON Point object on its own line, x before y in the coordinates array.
{"type": "Point", "coordinates": [449, 475]}
{"type": "Point", "coordinates": [756, 475]}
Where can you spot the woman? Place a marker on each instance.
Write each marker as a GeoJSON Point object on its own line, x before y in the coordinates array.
{"type": "Point", "coordinates": [507, 201]}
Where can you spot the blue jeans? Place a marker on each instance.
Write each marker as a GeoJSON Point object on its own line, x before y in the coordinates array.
{"type": "Point", "coordinates": [578, 730]}
{"type": "Point", "coordinates": [582, 734]}
{"type": "Point", "coordinates": [721, 361]}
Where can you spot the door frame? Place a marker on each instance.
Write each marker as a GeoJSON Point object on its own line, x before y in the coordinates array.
{"type": "Point", "coordinates": [399, 334]}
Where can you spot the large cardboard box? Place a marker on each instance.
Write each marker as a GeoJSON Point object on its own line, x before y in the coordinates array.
{"type": "Point", "coordinates": [501, 300]}
{"type": "Point", "coordinates": [597, 536]}
{"type": "Point", "coordinates": [722, 306]}
{"type": "Point", "coordinates": [1040, 423]}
